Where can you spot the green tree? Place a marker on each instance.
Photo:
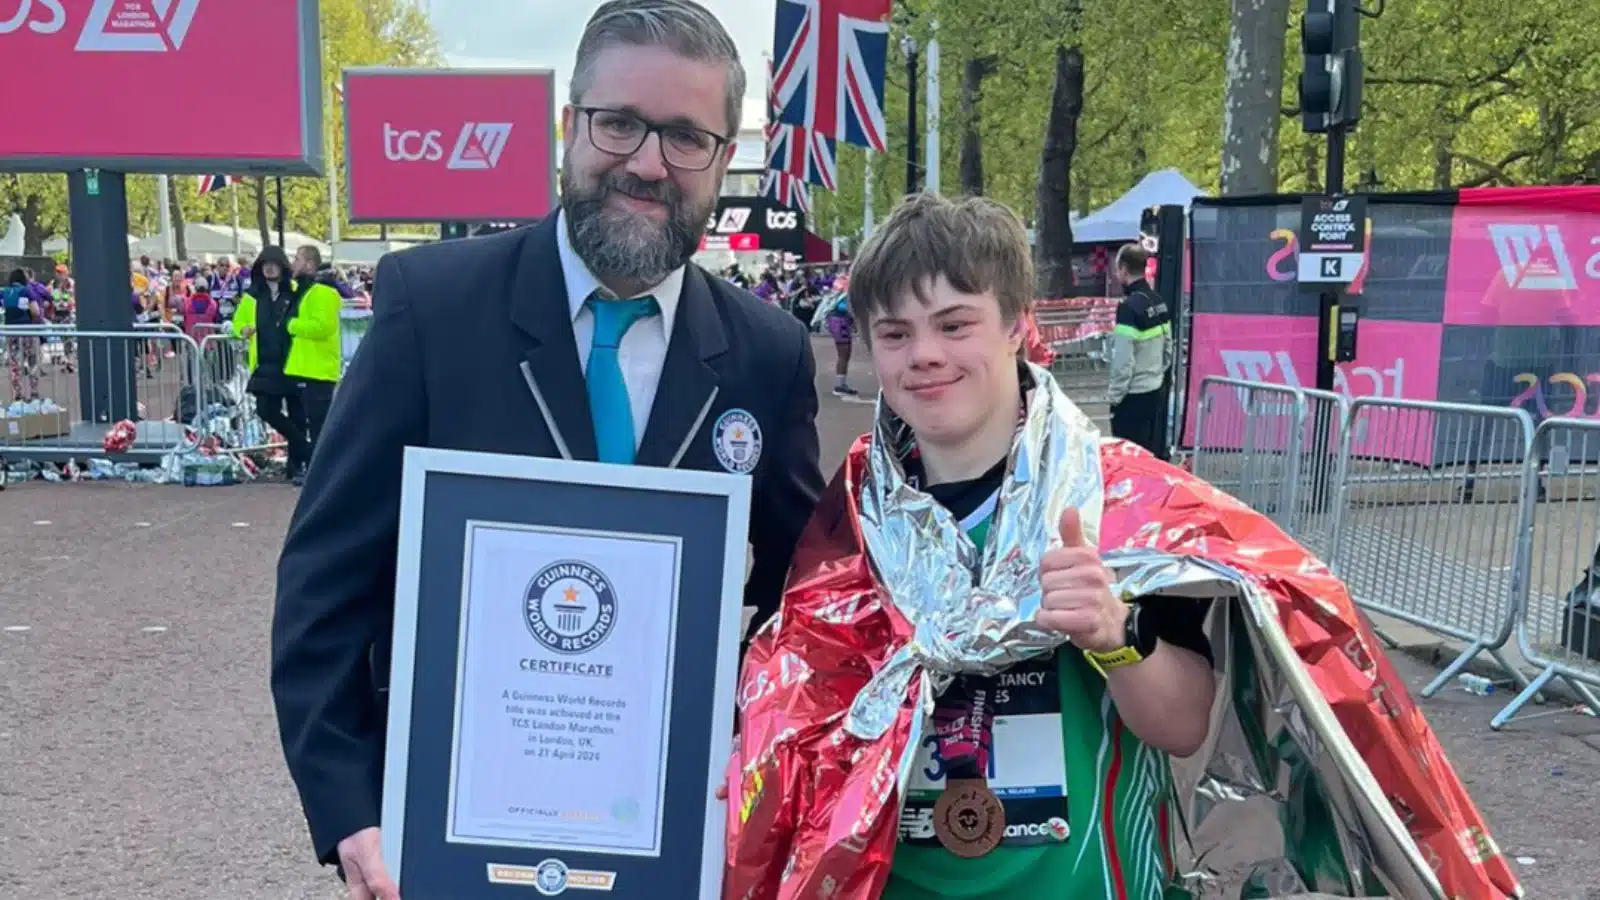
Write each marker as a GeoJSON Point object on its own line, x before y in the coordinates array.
{"type": "Point", "coordinates": [354, 33]}
{"type": "Point", "coordinates": [1459, 93]}
{"type": "Point", "coordinates": [40, 201]}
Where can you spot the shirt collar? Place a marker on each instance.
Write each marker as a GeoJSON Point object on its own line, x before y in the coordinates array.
{"type": "Point", "coordinates": [581, 282]}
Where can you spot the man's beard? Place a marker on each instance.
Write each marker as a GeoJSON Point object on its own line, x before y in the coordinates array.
{"type": "Point", "coordinates": [622, 247]}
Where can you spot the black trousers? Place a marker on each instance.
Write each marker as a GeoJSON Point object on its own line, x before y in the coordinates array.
{"type": "Point", "coordinates": [1142, 419]}
{"type": "Point", "coordinates": [316, 397]}
{"type": "Point", "coordinates": [287, 415]}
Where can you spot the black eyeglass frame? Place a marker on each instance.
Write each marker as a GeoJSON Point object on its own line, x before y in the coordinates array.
{"type": "Point", "coordinates": [655, 128]}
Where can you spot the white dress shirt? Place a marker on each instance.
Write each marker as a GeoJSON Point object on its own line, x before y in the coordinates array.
{"type": "Point", "coordinates": [644, 348]}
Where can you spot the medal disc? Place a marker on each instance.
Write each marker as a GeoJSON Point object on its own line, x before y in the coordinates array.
{"type": "Point", "coordinates": [969, 819]}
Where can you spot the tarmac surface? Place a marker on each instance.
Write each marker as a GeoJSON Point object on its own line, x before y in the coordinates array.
{"type": "Point", "coordinates": [139, 754]}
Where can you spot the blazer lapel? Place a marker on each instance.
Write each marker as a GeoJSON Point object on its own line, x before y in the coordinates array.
{"type": "Point", "coordinates": [689, 385]}
{"type": "Point", "coordinates": [550, 367]}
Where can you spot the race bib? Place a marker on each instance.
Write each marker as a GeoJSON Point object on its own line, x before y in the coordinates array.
{"type": "Point", "coordinates": [1027, 765]}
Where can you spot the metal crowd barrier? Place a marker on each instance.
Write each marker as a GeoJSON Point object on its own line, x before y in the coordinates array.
{"type": "Point", "coordinates": [1257, 441]}
{"type": "Point", "coordinates": [1429, 523]}
{"type": "Point", "coordinates": [1247, 442]}
{"type": "Point", "coordinates": [96, 378]}
{"type": "Point", "coordinates": [1463, 520]}
{"type": "Point", "coordinates": [174, 402]}
{"type": "Point", "coordinates": [1558, 629]}
{"type": "Point", "coordinates": [1078, 329]}
{"type": "Point", "coordinates": [225, 373]}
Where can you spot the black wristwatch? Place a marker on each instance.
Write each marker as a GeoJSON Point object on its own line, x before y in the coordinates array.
{"type": "Point", "coordinates": [1138, 642]}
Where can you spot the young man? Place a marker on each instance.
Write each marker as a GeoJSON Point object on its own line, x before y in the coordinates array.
{"type": "Point", "coordinates": [958, 699]}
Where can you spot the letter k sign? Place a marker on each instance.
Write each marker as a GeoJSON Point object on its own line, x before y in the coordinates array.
{"type": "Point", "coordinates": [137, 26]}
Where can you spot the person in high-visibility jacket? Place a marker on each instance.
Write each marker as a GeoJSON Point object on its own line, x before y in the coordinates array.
{"type": "Point", "coordinates": [1141, 357]}
{"type": "Point", "coordinates": [293, 330]}
{"type": "Point", "coordinates": [316, 358]}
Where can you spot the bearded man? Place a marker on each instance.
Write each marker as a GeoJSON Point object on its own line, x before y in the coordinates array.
{"type": "Point", "coordinates": [589, 336]}
{"type": "Point", "coordinates": [1016, 659]}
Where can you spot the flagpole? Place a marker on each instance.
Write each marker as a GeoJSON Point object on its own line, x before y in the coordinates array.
{"type": "Point", "coordinates": [866, 200]}
{"type": "Point", "coordinates": [333, 170]}
{"type": "Point", "coordinates": [233, 191]}
{"type": "Point", "coordinates": [164, 189]}
{"type": "Point", "coordinates": [930, 181]}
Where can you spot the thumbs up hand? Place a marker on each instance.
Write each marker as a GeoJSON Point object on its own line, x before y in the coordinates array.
{"type": "Point", "coordinates": [1077, 592]}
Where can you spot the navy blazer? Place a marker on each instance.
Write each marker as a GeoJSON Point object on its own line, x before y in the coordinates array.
{"type": "Point", "coordinates": [471, 348]}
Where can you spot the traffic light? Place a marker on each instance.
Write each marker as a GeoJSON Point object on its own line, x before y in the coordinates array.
{"type": "Point", "coordinates": [1330, 85]}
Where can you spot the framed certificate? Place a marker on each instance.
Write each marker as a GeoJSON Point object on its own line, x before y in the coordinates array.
{"type": "Point", "coordinates": [566, 638]}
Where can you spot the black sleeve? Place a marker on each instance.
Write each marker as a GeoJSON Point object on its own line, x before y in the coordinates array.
{"type": "Point", "coordinates": [335, 597]}
{"type": "Point", "coordinates": [1179, 621]}
{"type": "Point", "coordinates": [1128, 312]}
{"type": "Point", "coordinates": [787, 492]}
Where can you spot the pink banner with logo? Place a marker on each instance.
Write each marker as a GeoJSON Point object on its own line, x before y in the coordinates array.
{"type": "Point", "coordinates": [450, 145]}
{"type": "Point", "coordinates": [1394, 360]}
{"type": "Point", "coordinates": [134, 85]}
{"type": "Point", "coordinates": [1523, 266]}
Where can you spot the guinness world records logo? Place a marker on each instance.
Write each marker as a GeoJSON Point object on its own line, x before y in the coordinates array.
{"type": "Point", "coordinates": [570, 607]}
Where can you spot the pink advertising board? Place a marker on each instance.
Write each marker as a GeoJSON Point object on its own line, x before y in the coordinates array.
{"type": "Point", "coordinates": [136, 85]}
{"type": "Point", "coordinates": [450, 145]}
{"type": "Point", "coordinates": [1523, 266]}
{"type": "Point", "coordinates": [1394, 360]}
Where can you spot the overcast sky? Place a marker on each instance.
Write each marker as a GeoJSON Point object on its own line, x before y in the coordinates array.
{"type": "Point", "coordinates": [544, 33]}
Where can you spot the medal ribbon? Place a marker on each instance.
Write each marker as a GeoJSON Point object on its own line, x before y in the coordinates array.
{"type": "Point", "coordinates": [966, 732]}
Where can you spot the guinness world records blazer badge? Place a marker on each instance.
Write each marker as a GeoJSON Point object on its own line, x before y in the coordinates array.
{"type": "Point", "coordinates": [562, 688]}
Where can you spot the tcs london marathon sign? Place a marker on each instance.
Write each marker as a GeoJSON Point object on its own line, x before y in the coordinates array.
{"type": "Point", "coordinates": [451, 145]}
{"type": "Point", "coordinates": [749, 224]}
{"type": "Point", "coordinates": [92, 55]}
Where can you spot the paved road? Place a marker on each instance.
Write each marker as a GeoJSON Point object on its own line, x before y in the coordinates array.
{"type": "Point", "coordinates": [139, 757]}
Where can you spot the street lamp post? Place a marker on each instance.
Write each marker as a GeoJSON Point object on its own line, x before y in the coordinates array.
{"type": "Point", "coordinates": [908, 45]}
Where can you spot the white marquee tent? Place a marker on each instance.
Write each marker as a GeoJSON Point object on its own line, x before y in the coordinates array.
{"type": "Point", "coordinates": [11, 239]}
{"type": "Point", "coordinates": [1119, 220]}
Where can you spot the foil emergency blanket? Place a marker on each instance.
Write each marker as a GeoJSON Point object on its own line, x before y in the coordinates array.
{"type": "Point", "coordinates": [1319, 772]}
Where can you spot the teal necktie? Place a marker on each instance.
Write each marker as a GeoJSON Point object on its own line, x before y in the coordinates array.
{"type": "Point", "coordinates": [608, 392]}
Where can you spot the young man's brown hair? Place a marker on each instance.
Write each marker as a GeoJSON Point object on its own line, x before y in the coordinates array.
{"type": "Point", "coordinates": [978, 245]}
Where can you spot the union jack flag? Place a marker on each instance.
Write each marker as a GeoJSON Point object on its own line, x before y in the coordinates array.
{"type": "Point", "coordinates": [828, 76]}
{"type": "Point", "coordinates": [806, 155]}
{"type": "Point", "coordinates": [787, 190]}
{"type": "Point", "coordinates": [209, 183]}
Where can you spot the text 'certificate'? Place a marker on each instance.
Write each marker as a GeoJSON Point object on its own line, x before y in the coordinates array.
{"type": "Point", "coordinates": [562, 689]}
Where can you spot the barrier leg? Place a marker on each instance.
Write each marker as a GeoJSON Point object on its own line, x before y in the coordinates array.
{"type": "Point", "coordinates": [1384, 636]}
{"type": "Point", "coordinates": [1521, 700]}
{"type": "Point", "coordinates": [1585, 694]}
{"type": "Point", "coordinates": [1517, 675]}
{"type": "Point", "coordinates": [1454, 669]}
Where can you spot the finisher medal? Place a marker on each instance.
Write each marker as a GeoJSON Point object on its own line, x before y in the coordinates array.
{"type": "Point", "coordinates": [968, 818]}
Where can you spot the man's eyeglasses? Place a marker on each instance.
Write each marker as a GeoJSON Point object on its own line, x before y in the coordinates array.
{"type": "Point", "coordinates": [623, 133]}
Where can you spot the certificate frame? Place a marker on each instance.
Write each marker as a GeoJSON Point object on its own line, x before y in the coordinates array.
{"type": "Point", "coordinates": [444, 495]}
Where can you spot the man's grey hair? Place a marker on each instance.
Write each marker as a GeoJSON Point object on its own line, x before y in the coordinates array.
{"type": "Point", "coordinates": [686, 27]}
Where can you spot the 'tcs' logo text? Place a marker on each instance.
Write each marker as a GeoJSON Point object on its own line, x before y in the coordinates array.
{"type": "Point", "coordinates": [39, 16]}
{"type": "Point", "coordinates": [478, 145]}
{"type": "Point", "coordinates": [410, 145]}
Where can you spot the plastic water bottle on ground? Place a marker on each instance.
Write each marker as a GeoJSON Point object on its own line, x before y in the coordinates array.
{"type": "Point", "coordinates": [1475, 684]}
